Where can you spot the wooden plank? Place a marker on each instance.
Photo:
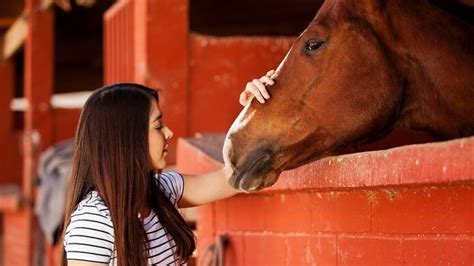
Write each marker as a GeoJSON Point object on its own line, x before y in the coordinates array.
{"type": "Point", "coordinates": [15, 37]}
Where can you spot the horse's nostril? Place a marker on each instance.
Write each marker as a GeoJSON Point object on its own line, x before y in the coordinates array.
{"type": "Point", "coordinates": [250, 174]}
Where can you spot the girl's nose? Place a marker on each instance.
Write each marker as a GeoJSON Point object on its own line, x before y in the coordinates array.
{"type": "Point", "coordinates": [168, 133]}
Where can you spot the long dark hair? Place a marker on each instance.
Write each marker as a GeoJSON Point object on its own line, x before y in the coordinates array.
{"type": "Point", "coordinates": [111, 156]}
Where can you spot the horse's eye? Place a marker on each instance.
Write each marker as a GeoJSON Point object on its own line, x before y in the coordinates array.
{"type": "Point", "coordinates": [313, 45]}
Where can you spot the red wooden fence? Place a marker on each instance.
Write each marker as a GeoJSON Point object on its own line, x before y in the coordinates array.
{"type": "Point", "coordinates": [411, 205]}
{"type": "Point", "coordinates": [119, 43]}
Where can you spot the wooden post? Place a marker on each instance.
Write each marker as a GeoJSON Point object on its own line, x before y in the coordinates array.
{"type": "Point", "coordinates": [6, 121]}
{"type": "Point", "coordinates": [21, 230]}
{"type": "Point", "coordinates": [162, 58]}
{"type": "Point", "coordinates": [154, 35]}
{"type": "Point", "coordinates": [38, 82]}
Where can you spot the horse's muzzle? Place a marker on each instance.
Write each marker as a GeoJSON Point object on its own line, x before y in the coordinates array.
{"type": "Point", "coordinates": [255, 172]}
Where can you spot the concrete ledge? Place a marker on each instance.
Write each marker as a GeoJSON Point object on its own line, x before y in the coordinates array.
{"type": "Point", "coordinates": [421, 164]}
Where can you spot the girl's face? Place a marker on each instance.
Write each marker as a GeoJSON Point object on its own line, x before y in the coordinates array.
{"type": "Point", "coordinates": [158, 137]}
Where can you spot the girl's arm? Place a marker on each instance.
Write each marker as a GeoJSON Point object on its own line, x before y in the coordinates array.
{"type": "Point", "coordinates": [205, 188]}
{"type": "Point", "coordinates": [209, 187]}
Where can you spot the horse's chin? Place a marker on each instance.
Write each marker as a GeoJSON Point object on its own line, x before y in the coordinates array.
{"type": "Point", "coordinates": [249, 184]}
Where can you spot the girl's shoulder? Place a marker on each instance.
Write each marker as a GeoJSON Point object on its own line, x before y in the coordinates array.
{"type": "Point", "coordinates": [172, 185]}
{"type": "Point", "coordinates": [89, 235]}
{"type": "Point", "coordinates": [93, 205]}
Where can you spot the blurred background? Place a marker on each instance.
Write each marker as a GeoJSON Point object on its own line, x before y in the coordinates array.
{"type": "Point", "coordinates": [200, 53]}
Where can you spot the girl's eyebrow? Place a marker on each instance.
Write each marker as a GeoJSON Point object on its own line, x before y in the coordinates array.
{"type": "Point", "coordinates": [158, 117]}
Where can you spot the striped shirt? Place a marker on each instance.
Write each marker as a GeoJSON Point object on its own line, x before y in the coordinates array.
{"type": "Point", "coordinates": [90, 236]}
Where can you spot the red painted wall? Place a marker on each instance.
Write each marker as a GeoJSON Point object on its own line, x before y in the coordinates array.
{"type": "Point", "coordinates": [416, 208]}
{"type": "Point", "coordinates": [219, 70]}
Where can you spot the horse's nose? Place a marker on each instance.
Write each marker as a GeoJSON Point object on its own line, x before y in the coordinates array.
{"type": "Point", "coordinates": [251, 173]}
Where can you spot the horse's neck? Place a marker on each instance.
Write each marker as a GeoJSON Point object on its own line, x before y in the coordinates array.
{"type": "Point", "coordinates": [434, 53]}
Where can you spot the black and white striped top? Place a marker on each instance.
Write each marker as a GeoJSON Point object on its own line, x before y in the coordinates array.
{"type": "Point", "coordinates": [90, 235]}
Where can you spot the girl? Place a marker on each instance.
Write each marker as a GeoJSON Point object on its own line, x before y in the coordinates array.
{"type": "Point", "coordinates": [121, 208]}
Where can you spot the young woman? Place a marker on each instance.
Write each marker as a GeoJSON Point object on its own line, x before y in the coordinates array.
{"type": "Point", "coordinates": [121, 207]}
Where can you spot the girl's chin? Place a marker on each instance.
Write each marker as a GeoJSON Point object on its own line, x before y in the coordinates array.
{"type": "Point", "coordinates": [159, 166]}
{"type": "Point", "coordinates": [162, 164]}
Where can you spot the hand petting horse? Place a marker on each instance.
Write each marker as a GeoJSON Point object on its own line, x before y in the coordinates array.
{"type": "Point", "coordinates": [359, 69]}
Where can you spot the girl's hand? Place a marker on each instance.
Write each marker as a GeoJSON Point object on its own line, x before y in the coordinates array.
{"type": "Point", "coordinates": [256, 88]}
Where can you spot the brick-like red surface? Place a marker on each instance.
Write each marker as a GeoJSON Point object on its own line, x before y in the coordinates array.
{"type": "Point", "coordinates": [366, 250]}
{"type": "Point", "coordinates": [252, 219]}
{"type": "Point", "coordinates": [207, 230]}
{"type": "Point", "coordinates": [264, 249]}
{"type": "Point", "coordinates": [220, 214]}
{"type": "Point", "coordinates": [340, 211]}
{"type": "Point", "coordinates": [439, 251]}
{"type": "Point", "coordinates": [287, 208]}
{"type": "Point", "coordinates": [311, 250]}
{"type": "Point", "coordinates": [435, 210]}
{"type": "Point", "coordinates": [317, 220]}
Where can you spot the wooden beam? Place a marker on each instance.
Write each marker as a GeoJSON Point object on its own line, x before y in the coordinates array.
{"type": "Point", "coordinates": [16, 34]}
{"type": "Point", "coordinates": [15, 37]}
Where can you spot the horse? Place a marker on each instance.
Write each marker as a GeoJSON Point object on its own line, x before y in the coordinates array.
{"type": "Point", "coordinates": [360, 69]}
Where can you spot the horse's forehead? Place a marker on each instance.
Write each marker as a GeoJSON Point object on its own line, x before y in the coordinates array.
{"type": "Point", "coordinates": [332, 11]}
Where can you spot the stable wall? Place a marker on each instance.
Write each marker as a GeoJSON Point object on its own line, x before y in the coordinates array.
{"type": "Point", "coordinates": [220, 67]}
{"type": "Point", "coordinates": [411, 205]}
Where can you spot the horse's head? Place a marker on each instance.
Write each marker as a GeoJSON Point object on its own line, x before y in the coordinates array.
{"type": "Point", "coordinates": [335, 87]}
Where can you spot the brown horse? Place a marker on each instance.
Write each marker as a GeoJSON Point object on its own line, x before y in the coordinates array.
{"type": "Point", "coordinates": [361, 68]}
